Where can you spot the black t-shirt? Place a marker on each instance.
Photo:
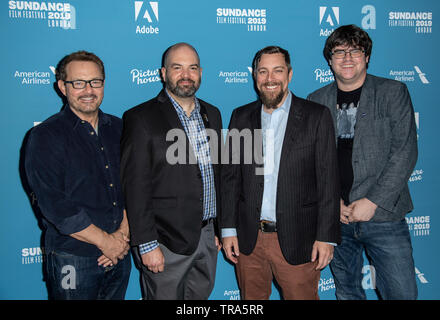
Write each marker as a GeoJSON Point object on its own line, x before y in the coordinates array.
{"type": "Point", "coordinates": [347, 104]}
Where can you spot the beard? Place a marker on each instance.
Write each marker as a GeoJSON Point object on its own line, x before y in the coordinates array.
{"type": "Point", "coordinates": [85, 108]}
{"type": "Point", "coordinates": [183, 91]}
{"type": "Point", "coordinates": [272, 99]}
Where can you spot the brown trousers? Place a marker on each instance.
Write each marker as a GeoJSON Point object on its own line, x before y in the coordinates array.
{"type": "Point", "coordinates": [255, 273]}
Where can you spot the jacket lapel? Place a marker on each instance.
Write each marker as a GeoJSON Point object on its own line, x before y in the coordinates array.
{"type": "Point", "coordinates": [365, 110]}
{"type": "Point", "coordinates": [294, 121]}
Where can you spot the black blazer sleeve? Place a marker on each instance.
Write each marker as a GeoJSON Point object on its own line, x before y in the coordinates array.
{"type": "Point", "coordinates": [136, 178]}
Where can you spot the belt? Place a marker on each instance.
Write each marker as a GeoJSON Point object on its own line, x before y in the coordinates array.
{"type": "Point", "coordinates": [207, 221]}
{"type": "Point", "coordinates": [268, 226]}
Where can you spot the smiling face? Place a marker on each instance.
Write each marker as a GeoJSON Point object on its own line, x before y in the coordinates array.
{"type": "Point", "coordinates": [182, 73]}
{"type": "Point", "coordinates": [349, 72]}
{"type": "Point", "coordinates": [83, 102]}
{"type": "Point", "coordinates": [272, 78]}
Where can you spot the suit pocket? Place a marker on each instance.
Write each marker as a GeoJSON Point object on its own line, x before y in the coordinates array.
{"type": "Point", "coordinates": [165, 202]}
{"type": "Point", "coordinates": [309, 204]}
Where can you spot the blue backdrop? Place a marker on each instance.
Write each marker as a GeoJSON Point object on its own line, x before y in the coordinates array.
{"type": "Point", "coordinates": [131, 36]}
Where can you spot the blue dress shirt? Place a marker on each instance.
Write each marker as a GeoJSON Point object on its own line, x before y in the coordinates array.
{"type": "Point", "coordinates": [195, 131]}
{"type": "Point", "coordinates": [273, 128]}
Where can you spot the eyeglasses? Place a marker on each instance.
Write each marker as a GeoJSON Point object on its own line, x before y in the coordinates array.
{"type": "Point", "coordinates": [354, 53]}
{"type": "Point", "coordinates": [81, 84]}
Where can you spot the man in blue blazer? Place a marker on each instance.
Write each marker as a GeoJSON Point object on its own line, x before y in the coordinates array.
{"type": "Point", "coordinates": [377, 152]}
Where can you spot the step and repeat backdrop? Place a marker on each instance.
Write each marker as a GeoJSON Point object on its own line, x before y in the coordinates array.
{"type": "Point", "coordinates": [131, 36]}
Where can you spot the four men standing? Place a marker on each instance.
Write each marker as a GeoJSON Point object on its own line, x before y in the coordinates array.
{"type": "Point", "coordinates": [278, 213]}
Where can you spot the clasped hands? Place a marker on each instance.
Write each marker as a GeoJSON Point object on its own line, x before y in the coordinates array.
{"type": "Point", "coordinates": [357, 211]}
{"type": "Point", "coordinates": [116, 247]}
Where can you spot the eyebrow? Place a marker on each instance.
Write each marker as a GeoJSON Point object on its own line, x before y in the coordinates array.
{"type": "Point", "coordinates": [179, 64]}
{"type": "Point", "coordinates": [276, 67]}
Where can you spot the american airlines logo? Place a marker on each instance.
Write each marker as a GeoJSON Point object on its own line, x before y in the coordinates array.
{"type": "Point", "coordinates": [153, 6]}
{"type": "Point", "coordinates": [421, 75]}
{"type": "Point", "coordinates": [421, 276]}
{"type": "Point", "coordinates": [409, 75]}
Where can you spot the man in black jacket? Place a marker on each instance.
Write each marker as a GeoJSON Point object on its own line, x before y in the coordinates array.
{"type": "Point", "coordinates": [282, 221]}
{"type": "Point", "coordinates": [172, 205]}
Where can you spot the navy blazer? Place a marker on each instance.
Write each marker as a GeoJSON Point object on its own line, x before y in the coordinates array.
{"type": "Point", "coordinates": [384, 145]}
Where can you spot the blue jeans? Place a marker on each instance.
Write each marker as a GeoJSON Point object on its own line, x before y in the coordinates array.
{"type": "Point", "coordinates": [388, 246]}
{"type": "Point", "coordinates": [71, 277]}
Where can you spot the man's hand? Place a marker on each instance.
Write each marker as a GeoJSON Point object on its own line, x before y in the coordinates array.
{"type": "Point", "coordinates": [362, 210]}
{"type": "Point", "coordinates": [230, 245]}
{"type": "Point", "coordinates": [114, 246]}
{"type": "Point", "coordinates": [154, 260]}
{"type": "Point", "coordinates": [345, 213]}
{"type": "Point", "coordinates": [322, 251]}
{"type": "Point", "coordinates": [218, 244]}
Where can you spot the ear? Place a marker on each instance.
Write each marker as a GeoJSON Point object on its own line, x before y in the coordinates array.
{"type": "Point", "coordinates": [290, 75]}
{"type": "Point", "coordinates": [62, 86]}
{"type": "Point", "coordinates": [163, 73]}
{"type": "Point", "coordinates": [367, 59]}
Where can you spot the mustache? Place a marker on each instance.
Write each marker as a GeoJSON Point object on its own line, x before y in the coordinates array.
{"type": "Point", "coordinates": [88, 96]}
{"type": "Point", "coordinates": [186, 79]}
{"type": "Point", "coordinates": [271, 83]}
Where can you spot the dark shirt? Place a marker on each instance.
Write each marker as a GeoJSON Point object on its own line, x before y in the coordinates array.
{"type": "Point", "coordinates": [74, 173]}
{"type": "Point", "coordinates": [347, 105]}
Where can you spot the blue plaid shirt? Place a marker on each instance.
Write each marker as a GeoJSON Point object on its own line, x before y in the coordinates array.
{"type": "Point", "coordinates": [195, 131]}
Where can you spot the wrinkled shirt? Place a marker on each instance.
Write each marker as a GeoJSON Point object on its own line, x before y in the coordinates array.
{"type": "Point", "coordinates": [74, 174]}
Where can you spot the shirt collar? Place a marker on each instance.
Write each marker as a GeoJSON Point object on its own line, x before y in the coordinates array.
{"type": "Point", "coordinates": [179, 109]}
{"type": "Point", "coordinates": [74, 120]}
{"type": "Point", "coordinates": [285, 107]}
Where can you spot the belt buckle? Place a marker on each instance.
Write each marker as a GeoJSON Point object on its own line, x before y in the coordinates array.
{"type": "Point", "coordinates": [263, 225]}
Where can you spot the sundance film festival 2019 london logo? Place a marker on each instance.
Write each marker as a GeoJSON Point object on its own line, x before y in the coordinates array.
{"type": "Point", "coordinates": [55, 14]}
{"type": "Point", "coordinates": [255, 20]}
{"type": "Point", "coordinates": [419, 21]}
{"type": "Point", "coordinates": [146, 16]}
{"type": "Point", "coordinates": [32, 255]}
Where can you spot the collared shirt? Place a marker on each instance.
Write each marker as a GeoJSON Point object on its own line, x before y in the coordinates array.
{"type": "Point", "coordinates": [196, 133]}
{"type": "Point", "coordinates": [74, 174]}
{"type": "Point", "coordinates": [273, 127]}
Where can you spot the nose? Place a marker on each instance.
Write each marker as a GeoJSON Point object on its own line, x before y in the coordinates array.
{"type": "Point", "coordinates": [347, 55]}
{"type": "Point", "coordinates": [88, 87]}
